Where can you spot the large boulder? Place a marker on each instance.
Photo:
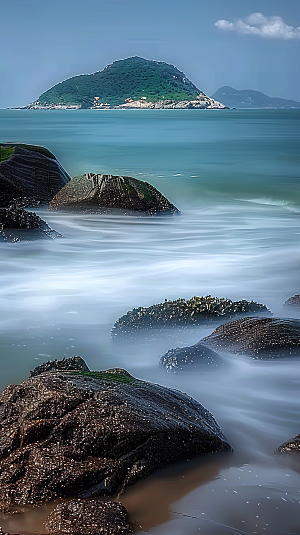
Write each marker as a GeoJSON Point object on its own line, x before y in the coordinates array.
{"type": "Point", "coordinates": [17, 224]}
{"type": "Point", "coordinates": [181, 312]}
{"type": "Point", "coordinates": [31, 172]}
{"type": "Point", "coordinates": [190, 358]}
{"type": "Point", "coordinates": [91, 192]}
{"type": "Point", "coordinates": [257, 337]}
{"type": "Point", "coordinates": [89, 517]}
{"type": "Point", "coordinates": [83, 434]}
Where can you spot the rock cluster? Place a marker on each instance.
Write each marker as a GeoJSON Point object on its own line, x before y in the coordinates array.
{"type": "Point", "coordinates": [29, 171]}
{"type": "Point", "coordinates": [17, 224]}
{"type": "Point", "coordinates": [83, 434]}
{"type": "Point", "coordinates": [92, 517]}
{"type": "Point", "coordinates": [195, 311]}
{"type": "Point", "coordinates": [257, 337]}
{"type": "Point", "coordinates": [91, 192]}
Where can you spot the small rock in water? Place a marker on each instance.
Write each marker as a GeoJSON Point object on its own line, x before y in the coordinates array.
{"type": "Point", "coordinates": [17, 224]}
{"type": "Point", "coordinates": [89, 517]}
{"type": "Point", "coordinates": [90, 193]}
{"type": "Point", "coordinates": [195, 311]}
{"type": "Point", "coordinates": [292, 446]}
{"type": "Point", "coordinates": [257, 337]}
{"type": "Point", "coordinates": [190, 358]}
{"type": "Point", "coordinates": [293, 302]}
{"type": "Point", "coordinates": [72, 363]}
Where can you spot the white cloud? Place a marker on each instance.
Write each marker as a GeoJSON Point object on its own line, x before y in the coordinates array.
{"type": "Point", "coordinates": [258, 24]}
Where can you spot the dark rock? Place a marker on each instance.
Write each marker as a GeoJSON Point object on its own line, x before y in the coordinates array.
{"type": "Point", "coordinates": [83, 434]}
{"type": "Point", "coordinates": [72, 363]}
{"type": "Point", "coordinates": [29, 171]}
{"type": "Point", "coordinates": [92, 192]}
{"type": "Point", "coordinates": [190, 358]}
{"type": "Point", "coordinates": [195, 311]}
{"type": "Point", "coordinates": [17, 224]}
{"type": "Point", "coordinates": [89, 517]}
{"type": "Point", "coordinates": [293, 302]}
{"type": "Point", "coordinates": [292, 446]}
{"type": "Point", "coordinates": [257, 337]}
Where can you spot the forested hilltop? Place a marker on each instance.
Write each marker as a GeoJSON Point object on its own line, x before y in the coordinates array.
{"type": "Point", "coordinates": [121, 83]}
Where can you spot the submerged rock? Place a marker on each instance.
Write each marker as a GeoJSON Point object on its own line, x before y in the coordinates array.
{"type": "Point", "coordinates": [195, 311]}
{"type": "Point", "coordinates": [190, 358]}
{"type": "Point", "coordinates": [91, 192]}
{"type": "Point", "coordinates": [292, 446]}
{"type": "Point", "coordinates": [293, 302]}
{"type": "Point", "coordinates": [29, 171]}
{"type": "Point", "coordinates": [69, 364]}
{"type": "Point", "coordinates": [83, 434]}
{"type": "Point", "coordinates": [257, 337]}
{"type": "Point", "coordinates": [17, 224]}
{"type": "Point", "coordinates": [89, 517]}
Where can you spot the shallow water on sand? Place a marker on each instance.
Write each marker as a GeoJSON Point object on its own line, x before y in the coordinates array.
{"type": "Point", "coordinates": [61, 297]}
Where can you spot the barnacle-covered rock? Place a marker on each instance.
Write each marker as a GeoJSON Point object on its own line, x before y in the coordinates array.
{"type": "Point", "coordinates": [29, 171]}
{"type": "Point", "coordinates": [257, 337]}
{"type": "Point", "coordinates": [195, 311]}
{"type": "Point", "coordinates": [17, 224]}
{"type": "Point", "coordinates": [89, 517]}
{"type": "Point", "coordinates": [92, 192]}
{"type": "Point", "coordinates": [83, 434]}
{"type": "Point", "coordinates": [190, 358]}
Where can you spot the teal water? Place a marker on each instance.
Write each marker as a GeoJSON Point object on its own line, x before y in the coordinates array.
{"type": "Point", "coordinates": [235, 176]}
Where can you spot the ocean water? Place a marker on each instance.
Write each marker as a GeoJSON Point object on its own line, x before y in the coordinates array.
{"type": "Point", "coordinates": [235, 176]}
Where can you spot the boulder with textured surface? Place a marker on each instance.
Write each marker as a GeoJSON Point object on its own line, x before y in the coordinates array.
{"type": "Point", "coordinates": [181, 312]}
{"type": "Point", "coordinates": [257, 337]}
{"type": "Point", "coordinates": [91, 192]}
{"type": "Point", "coordinates": [83, 434]}
{"type": "Point", "coordinates": [89, 517]}
{"type": "Point", "coordinates": [17, 224]}
{"type": "Point", "coordinates": [190, 358]}
{"type": "Point", "coordinates": [29, 171]}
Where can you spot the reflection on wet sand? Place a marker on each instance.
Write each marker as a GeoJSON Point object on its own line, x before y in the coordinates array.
{"type": "Point", "coordinates": [148, 502]}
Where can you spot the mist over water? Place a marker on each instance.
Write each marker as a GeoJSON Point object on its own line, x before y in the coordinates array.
{"type": "Point", "coordinates": [235, 177]}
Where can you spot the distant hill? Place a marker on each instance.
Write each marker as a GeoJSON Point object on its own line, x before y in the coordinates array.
{"type": "Point", "coordinates": [131, 78]}
{"type": "Point", "coordinates": [247, 98]}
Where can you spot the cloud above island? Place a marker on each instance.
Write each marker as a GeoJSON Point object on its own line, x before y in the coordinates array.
{"type": "Point", "coordinates": [257, 24]}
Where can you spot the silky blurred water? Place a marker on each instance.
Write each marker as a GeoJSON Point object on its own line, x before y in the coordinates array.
{"type": "Point", "coordinates": [235, 177]}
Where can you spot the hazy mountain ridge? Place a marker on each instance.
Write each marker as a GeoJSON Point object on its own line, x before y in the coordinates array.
{"type": "Point", "coordinates": [248, 98]}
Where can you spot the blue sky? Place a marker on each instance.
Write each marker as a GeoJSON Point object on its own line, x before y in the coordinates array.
{"type": "Point", "coordinates": [247, 45]}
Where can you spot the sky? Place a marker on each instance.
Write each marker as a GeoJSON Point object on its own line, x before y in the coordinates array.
{"type": "Point", "coordinates": [244, 44]}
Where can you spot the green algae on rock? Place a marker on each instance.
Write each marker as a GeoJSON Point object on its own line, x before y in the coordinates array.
{"type": "Point", "coordinates": [181, 312]}
{"type": "Point", "coordinates": [96, 192]}
{"type": "Point", "coordinates": [79, 434]}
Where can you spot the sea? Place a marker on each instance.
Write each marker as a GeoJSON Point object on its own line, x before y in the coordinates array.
{"type": "Point", "coordinates": [235, 177]}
